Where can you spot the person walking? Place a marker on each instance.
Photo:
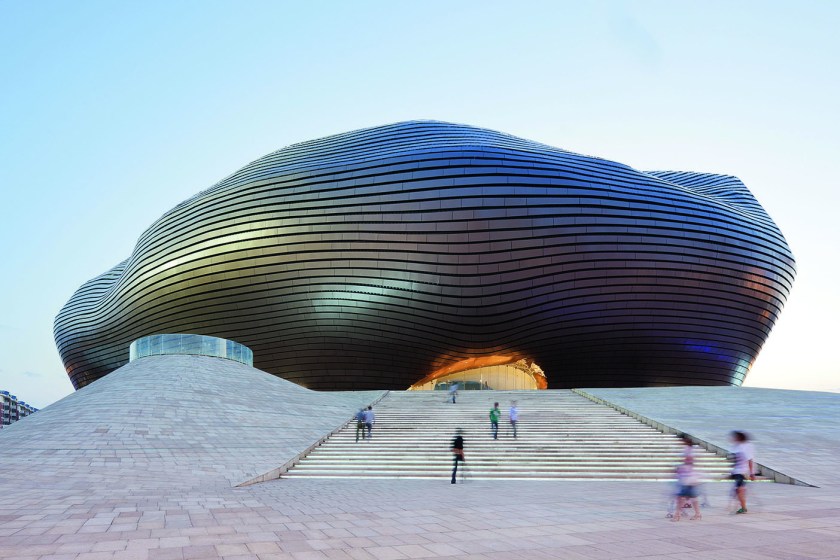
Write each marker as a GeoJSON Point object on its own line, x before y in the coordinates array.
{"type": "Point", "coordinates": [494, 420]}
{"type": "Point", "coordinates": [360, 424]}
{"type": "Point", "coordinates": [688, 481]}
{"type": "Point", "coordinates": [453, 392]}
{"type": "Point", "coordinates": [513, 415]}
{"type": "Point", "coordinates": [370, 420]}
{"type": "Point", "coordinates": [689, 457]}
{"type": "Point", "coordinates": [457, 453]}
{"type": "Point", "coordinates": [744, 466]}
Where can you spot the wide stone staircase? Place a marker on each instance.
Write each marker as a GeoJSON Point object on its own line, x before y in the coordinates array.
{"type": "Point", "coordinates": [561, 435]}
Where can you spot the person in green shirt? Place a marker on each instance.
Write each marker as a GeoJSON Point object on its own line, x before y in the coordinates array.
{"type": "Point", "coordinates": [494, 420]}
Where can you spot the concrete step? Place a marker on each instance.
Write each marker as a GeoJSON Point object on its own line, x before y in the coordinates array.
{"type": "Point", "coordinates": [529, 458]}
{"type": "Point", "coordinates": [439, 444]}
{"type": "Point", "coordinates": [497, 468]}
{"type": "Point", "coordinates": [489, 475]}
{"type": "Point", "coordinates": [603, 458]}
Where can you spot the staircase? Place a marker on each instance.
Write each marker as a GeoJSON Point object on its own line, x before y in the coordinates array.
{"type": "Point", "coordinates": [561, 436]}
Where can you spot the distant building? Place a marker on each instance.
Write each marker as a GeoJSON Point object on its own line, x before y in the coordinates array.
{"type": "Point", "coordinates": [12, 410]}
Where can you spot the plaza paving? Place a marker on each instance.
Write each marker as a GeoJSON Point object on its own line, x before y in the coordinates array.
{"type": "Point", "coordinates": [142, 463]}
{"type": "Point", "coordinates": [382, 519]}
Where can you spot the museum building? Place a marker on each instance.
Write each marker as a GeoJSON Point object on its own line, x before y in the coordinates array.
{"type": "Point", "coordinates": [417, 254]}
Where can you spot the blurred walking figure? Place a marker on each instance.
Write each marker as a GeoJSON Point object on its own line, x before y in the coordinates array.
{"type": "Point", "coordinates": [743, 467]}
{"type": "Point", "coordinates": [457, 453]}
{"type": "Point", "coordinates": [513, 414]}
{"type": "Point", "coordinates": [688, 482]}
{"type": "Point", "coordinates": [453, 392]}
{"type": "Point", "coordinates": [688, 453]}
{"type": "Point", "coordinates": [360, 424]}
{"type": "Point", "coordinates": [370, 419]}
{"type": "Point", "coordinates": [494, 420]}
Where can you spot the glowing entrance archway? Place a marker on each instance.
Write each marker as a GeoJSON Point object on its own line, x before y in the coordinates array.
{"type": "Point", "coordinates": [488, 372]}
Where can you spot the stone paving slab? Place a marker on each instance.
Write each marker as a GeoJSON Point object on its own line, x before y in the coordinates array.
{"type": "Point", "coordinates": [795, 432]}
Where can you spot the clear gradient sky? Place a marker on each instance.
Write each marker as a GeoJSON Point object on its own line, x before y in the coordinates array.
{"type": "Point", "coordinates": [113, 112]}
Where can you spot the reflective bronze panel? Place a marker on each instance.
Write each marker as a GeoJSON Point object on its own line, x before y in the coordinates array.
{"type": "Point", "coordinates": [374, 258]}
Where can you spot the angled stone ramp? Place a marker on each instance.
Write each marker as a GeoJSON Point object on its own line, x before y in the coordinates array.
{"type": "Point", "coordinates": [796, 433]}
{"type": "Point", "coordinates": [561, 436]}
{"type": "Point", "coordinates": [172, 422]}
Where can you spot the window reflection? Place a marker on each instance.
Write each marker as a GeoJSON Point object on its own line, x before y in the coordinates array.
{"type": "Point", "coordinates": [190, 344]}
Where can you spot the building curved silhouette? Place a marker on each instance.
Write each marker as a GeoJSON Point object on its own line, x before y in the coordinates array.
{"type": "Point", "coordinates": [389, 256]}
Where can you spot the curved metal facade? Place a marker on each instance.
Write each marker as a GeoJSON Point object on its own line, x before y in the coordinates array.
{"type": "Point", "coordinates": [370, 259]}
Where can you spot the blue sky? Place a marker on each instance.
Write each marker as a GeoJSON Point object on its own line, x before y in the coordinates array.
{"type": "Point", "coordinates": [113, 112]}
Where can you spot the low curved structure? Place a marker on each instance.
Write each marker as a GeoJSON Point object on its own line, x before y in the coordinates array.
{"type": "Point", "coordinates": [374, 258]}
{"type": "Point", "coordinates": [178, 344]}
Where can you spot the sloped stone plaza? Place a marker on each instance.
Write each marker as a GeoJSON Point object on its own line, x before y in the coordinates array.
{"type": "Point", "coordinates": [143, 465]}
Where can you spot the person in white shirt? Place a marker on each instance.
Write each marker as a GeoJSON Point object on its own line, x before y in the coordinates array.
{"type": "Point", "coordinates": [688, 481]}
{"type": "Point", "coordinates": [743, 467]}
{"type": "Point", "coordinates": [513, 414]}
{"type": "Point", "coordinates": [688, 455]}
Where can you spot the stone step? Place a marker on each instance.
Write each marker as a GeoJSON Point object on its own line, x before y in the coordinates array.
{"type": "Point", "coordinates": [546, 451]}
{"type": "Point", "coordinates": [490, 475]}
{"type": "Point", "coordinates": [521, 464]}
{"type": "Point", "coordinates": [303, 467]}
{"type": "Point", "coordinates": [500, 444]}
{"type": "Point", "coordinates": [407, 436]}
{"type": "Point", "coordinates": [444, 454]}
{"type": "Point", "coordinates": [521, 458]}
{"type": "Point", "coordinates": [588, 427]}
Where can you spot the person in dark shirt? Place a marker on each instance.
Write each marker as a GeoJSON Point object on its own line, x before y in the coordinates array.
{"type": "Point", "coordinates": [457, 452]}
